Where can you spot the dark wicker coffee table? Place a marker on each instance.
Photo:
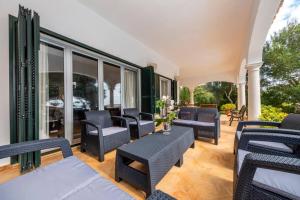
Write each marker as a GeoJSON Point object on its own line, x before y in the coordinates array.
{"type": "Point", "coordinates": [157, 152]}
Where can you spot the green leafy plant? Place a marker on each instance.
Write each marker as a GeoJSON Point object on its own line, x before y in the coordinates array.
{"type": "Point", "coordinates": [168, 119]}
{"type": "Point", "coordinates": [185, 96]}
{"type": "Point", "coordinates": [203, 96]}
{"type": "Point", "coordinates": [228, 107]}
{"type": "Point", "coordinates": [288, 107]}
{"type": "Point", "coordinates": [160, 104]}
{"type": "Point", "coordinates": [270, 113]}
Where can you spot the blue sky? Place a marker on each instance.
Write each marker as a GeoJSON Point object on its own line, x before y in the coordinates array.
{"type": "Point", "coordinates": [289, 11]}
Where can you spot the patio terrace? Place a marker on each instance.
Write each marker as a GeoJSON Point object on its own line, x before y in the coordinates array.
{"type": "Point", "coordinates": [207, 171]}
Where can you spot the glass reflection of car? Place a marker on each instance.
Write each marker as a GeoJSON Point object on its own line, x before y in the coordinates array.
{"type": "Point", "coordinates": [58, 103]}
{"type": "Point", "coordinates": [78, 103]}
{"type": "Point", "coordinates": [81, 103]}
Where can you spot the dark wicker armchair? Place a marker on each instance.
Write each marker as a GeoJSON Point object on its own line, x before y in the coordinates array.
{"type": "Point", "coordinates": [263, 176]}
{"type": "Point", "coordinates": [290, 126]}
{"type": "Point", "coordinates": [266, 176]}
{"type": "Point", "coordinates": [98, 135]}
{"type": "Point", "coordinates": [140, 123]}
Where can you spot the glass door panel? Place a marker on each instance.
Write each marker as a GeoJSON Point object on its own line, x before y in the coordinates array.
{"type": "Point", "coordinates": [51, 91]}
{"type": "Point", "coordinates": [85, 90]}
{"type": "Point", "coordinates": [130, 89]}
{"type": "Point", "coordinates": [112, 88]}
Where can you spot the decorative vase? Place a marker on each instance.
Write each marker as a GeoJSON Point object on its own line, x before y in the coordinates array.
{"type": "Point", "coordinates": [166, 126]}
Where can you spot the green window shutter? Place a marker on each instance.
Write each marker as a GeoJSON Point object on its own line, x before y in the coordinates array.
{"type": "Point", "coordinates": [157, 87]}
{"type": "Point", "coordinates": [148, 89]}
{"type": "Point", "coordinates": [24, 41]}
{"type": "Point", "coordinates": [174, 90]}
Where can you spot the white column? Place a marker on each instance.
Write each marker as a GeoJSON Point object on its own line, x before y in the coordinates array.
{"type": "Point", "coordinates": [192, 96]}
{"type": "Point", "coordinates": [254, 104]}
{"type": "Point", "coordinates": [241, 94]}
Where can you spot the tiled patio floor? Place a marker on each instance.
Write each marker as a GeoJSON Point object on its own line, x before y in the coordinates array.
{"type": "Point", "coordinates": [206, 173]}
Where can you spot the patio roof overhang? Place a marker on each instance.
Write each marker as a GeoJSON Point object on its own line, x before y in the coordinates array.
{"type": "Point", "coordinates": [207, 40]}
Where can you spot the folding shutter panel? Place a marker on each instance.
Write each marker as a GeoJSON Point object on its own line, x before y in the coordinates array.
{"type": "Point", "coordinates": [174, 90]}
{"type": "Point", "coordinates": [148, 89]}
{"type": "Point", "coordinates": [25, 47]}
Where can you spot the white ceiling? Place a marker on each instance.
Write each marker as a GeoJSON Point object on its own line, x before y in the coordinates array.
{"type": "Point", "coordinates": [201, 37]}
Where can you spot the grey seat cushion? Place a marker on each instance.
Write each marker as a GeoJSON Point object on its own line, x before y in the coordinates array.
{"type": "Point", "coordinates": [109, 130]}
{"type": "Point", "coordinates": [238, 134]}
{"type": "Point", "coordinates": [204, 124]}
{"type": "Point", "coordinates": [69, 179]}
{"type": "Point", "coordinates": [283, 183]}
{"type": "Point", "coordinates": [193, 123]}
{"type": "Point", "coordinates": [183, 121]}
{"type": "Point", "coordinates": [142, 122]}
{"type": "Point", "coordinates": [270, 145]}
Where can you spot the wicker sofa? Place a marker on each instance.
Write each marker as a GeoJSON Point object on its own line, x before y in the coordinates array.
{"type": "Point", "coordinates": [68, 179]}
{"type": "Point", "coordinates": [140, 123]}
{"type": "Point", "coordinates": [270, 145]}
{"type": "Point", "coordinates": [98, 135]}
{"type": "Point", "coordinates": [204, 121]}
{"type": "Point", "coordinates": [266, 176]}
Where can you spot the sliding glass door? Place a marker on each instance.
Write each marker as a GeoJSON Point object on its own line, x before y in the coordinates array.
{"type": "Point", "coordinates": [85, 90]}
{"type": "Point", "coordinates": [51, 91]}
{"type": "Point", "coordinates": [74, 80]}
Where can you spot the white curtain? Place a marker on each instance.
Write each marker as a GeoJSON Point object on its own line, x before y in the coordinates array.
{"type": "Point", "coordinates": [164, 88]}
{"type": "Point", "coordinates": [130, 89]}
{"type": "Point", "coordinates": [43, 92]}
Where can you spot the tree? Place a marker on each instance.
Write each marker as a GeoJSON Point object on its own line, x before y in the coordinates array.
{"type": "Point", "coordinates": [203, 96]}
{"type": "Point", "coordinates": [185, 96]}
{"type": "Point", "coordinates": [280, 73]}
{"type": "Point", "coordinates": [224, 92]}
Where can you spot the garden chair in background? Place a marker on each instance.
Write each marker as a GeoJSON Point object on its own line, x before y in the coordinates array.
{"type": "Point", "coordinates": [237, 114]}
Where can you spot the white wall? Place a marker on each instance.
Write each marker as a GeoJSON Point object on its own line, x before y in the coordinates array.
{"type": "Point", "coordinates": [76, 21]}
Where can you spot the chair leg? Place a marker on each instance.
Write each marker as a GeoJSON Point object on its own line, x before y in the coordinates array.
{"type": "Point", "coordinates": [101, 157]}
{"type": "Point", "coordinates": [216, 141]}
{"type": "Point", "coordinates": [231, 119]}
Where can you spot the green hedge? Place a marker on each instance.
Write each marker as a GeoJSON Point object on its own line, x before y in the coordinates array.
{"type": "Point", "coordinates": [270, 113]}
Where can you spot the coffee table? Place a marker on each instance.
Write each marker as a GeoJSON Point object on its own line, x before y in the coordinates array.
{"type": "Point", "coordinates": [157, 153]}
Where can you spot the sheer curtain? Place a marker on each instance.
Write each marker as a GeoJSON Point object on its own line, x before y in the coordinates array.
{"type": "Point", "coordinates": [43, 92]}
{"type": "Point", "coordinates": [164, 88]}
{"type": "Point", "coordinates": [130, 89]}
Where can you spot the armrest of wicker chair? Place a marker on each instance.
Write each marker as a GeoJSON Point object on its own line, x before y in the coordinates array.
{"type": "Point", "coordinates": [253, 161]}
{"type": "Point", "coordinates": [242, 124]}
{"type": "Point", "coordinates": [89, 123]}
{"type": "Point", "coordinates": [269, 137]}
{"type": "Point", "coordinates": [272, 130]}
{"type": "Point", "coordinates": [36, 145]}
{"type": "Point", "coordinates": [146, 116]}
{"type": "Point", "coordinates": [123, 121]}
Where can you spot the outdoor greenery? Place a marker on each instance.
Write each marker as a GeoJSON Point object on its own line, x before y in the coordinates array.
{"type": "Point", "coordinates": [215, 93]}
{"type": "Point", "coordinates": [203, 96]}
{"type": "Point", "coordinates": [228, 107]}
{"type": "Point", "coordinates": [270, 113]}
{"type": "Point", "coordinates": [281, 69]}
{"type": "Point", "coordinates": [184, 96]}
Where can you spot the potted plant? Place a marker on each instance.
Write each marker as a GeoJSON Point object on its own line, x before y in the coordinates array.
{"type": "Point", "coordinates": [164, 117]}
{"type": "Point", "coordinates": [227, 108]}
